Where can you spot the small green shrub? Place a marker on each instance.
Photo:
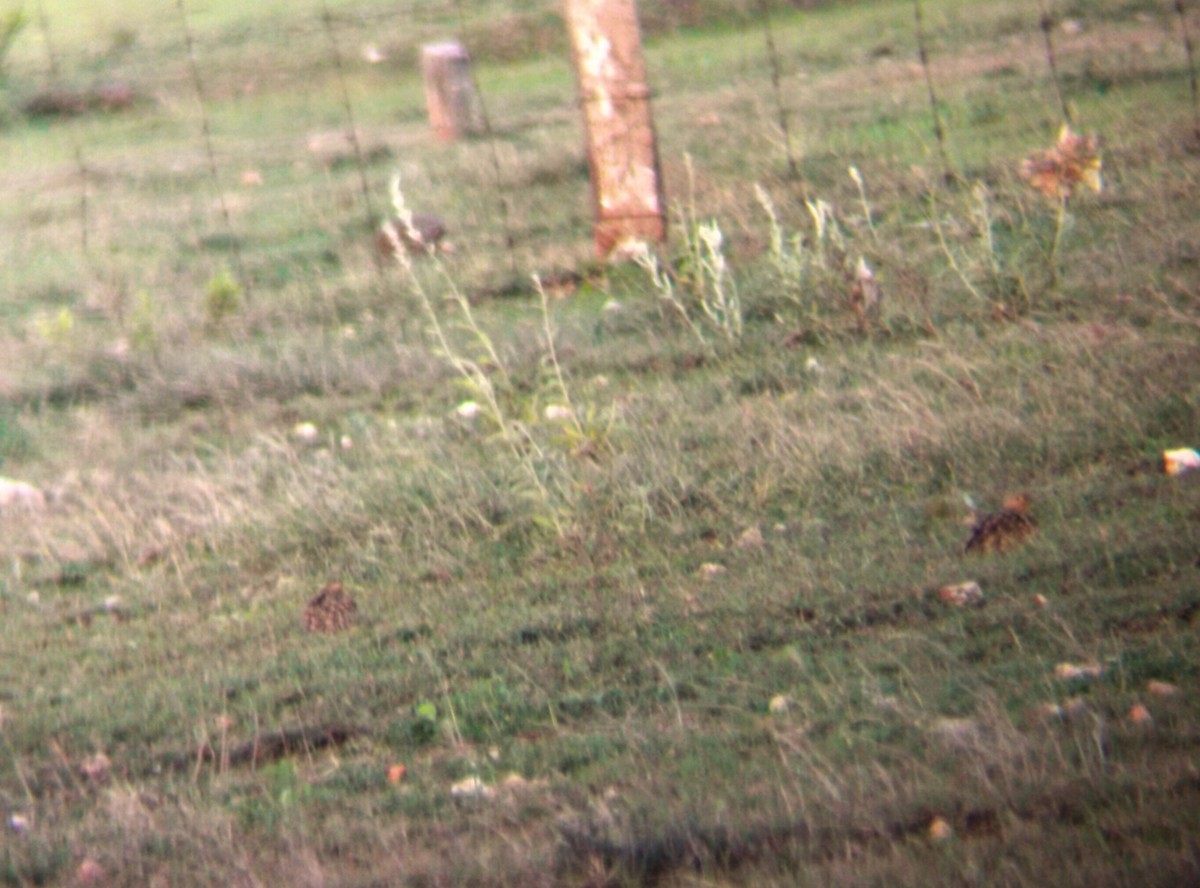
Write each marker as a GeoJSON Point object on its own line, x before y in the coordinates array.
{"type": "Point", "coordinates": [222, 299]}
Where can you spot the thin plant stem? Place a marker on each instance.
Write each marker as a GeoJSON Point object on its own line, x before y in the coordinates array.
{"type": "Point", "coordinates": [548, 330]}
{"type": "Point", "coordinates": [524, 448]}
{"type": "Point", "coordinates": [949, 254]}
{"type": "Point", "coordinates": [447, 699]}
{"type": "Point", "coordinates": [17, 769]}
{"type": "Point", "coordinates": [856, 175]}
{"type": "Point", "coordinates": [1060, 219]}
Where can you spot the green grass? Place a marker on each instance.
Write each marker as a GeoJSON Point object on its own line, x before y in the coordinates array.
{"type": "Point", "coordinates": [703, 625]}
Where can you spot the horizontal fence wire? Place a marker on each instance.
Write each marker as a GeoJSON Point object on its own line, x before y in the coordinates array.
{"type": "Point", "coordinates": [265, 142]}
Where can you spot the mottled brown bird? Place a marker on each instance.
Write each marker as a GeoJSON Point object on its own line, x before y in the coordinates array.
{"type": "Point", "coordinates": [423, 238]}
{"type": "Point", "coordinates": [331, 610]}
{"type": "Point", "coordinates": [1003, 530]}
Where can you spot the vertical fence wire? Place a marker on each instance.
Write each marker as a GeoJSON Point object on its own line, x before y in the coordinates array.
{"type": "Point", "coordinates": [776, 69]}
{"type": "Point", "coordinates": [1189, 50]}
{"type": "Point", "coordinates": [352, 126]}
{"type": "Point", "coordinates": [76, 148]}
{"type": "Point", "coordinates": [506, 214]}
{"type": "Point", "coordinates": [209, 152]}
{"type": "Point", "coordinates": [939, 128]}
{"type": "Point", "coordinates": [1046, 24]}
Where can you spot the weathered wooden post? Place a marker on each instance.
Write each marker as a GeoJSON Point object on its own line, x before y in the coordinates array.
{"type": "Point", "coordinates": [622, 152]}
{"type": "Point", "coordinates": [454, 109]}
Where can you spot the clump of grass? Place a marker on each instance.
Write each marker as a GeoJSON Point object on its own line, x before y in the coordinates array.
{"type": "Point", "coordinates": [818, 271]}
{"type": "Point", "coordinates": [543, 472]}
{"type": "Point", "coordinates": [661, 279]}
{"type": "Point", "coordinates": [223, 297]}
{"type": "Point", "coordinates": [702, 270]}
{"type": "Point", "coordinates": [588, 427]}
{"type": "Point", "coordinates": [57, 330]}
{"type": "Point", "coordinates": [143, 323]}
{"type": "Point", "coordinates": [15, 441]}
{"type": "Point", "coordinates": [1010, 254]}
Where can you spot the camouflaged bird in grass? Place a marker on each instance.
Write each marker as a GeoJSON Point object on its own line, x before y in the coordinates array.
{"type": "Point", "coordinates": [331, 610]}
{"type": "Point", "coordinates": [1002, 530]}
{"type": "Point", "coordinates": [422, 237]}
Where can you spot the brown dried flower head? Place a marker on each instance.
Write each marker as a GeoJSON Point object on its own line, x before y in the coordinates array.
{"type": "Point", "coordinates": [1074, 160]}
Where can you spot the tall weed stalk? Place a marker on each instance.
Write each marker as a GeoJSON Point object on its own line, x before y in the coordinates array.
{"type": "Point", "coordinates": [516, 436]}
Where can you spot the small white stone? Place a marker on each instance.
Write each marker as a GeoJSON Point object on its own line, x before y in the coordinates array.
{"type": "Point", "coordinates": [779, 704]}
{"type": "Point", "coordinates": [751, 538]}
{"type": "Point", "coordinates": [19, 494]}
{"type": "Point", "coordinates": [468, 410]}
{"type": "Point", "coordinates": [306, 432]}
{"type": "Point", "coordinates": [558, 413]}
{"type": "Point", "coordinates": [1073, 671]}
{"type": "Point", "coordinates": [471, 788]}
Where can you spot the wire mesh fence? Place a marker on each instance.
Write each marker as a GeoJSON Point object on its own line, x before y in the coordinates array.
{"type": "Point", "coordinates": [211, 138]}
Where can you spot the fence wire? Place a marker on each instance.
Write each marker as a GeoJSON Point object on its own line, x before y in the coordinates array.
{"type": "Point", "coordinates": [285, 125]}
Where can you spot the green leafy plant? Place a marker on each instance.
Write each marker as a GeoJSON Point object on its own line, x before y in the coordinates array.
{"type": "Point", "coordinates": [58, 329]}
{"type": "Point", "coordinates": [423, 726]}
{"type": "Point", "coordinates": [222, 298]}
{"type": "Point", "coordinates": [12, 22]}
{"type": "Point", "coordinates": [1008, 255]}
{"type": "Point", "coordinates": [143, 322]}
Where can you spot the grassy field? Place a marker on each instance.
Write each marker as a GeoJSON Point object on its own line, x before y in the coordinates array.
{"type": "Point", "coordinates": [682, 628]}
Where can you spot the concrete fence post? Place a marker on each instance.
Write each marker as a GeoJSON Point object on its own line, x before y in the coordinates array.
{"type": "Point", "coordinates": [454, 109]}
{"type": "Point", "coordinates": [622, 151]}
